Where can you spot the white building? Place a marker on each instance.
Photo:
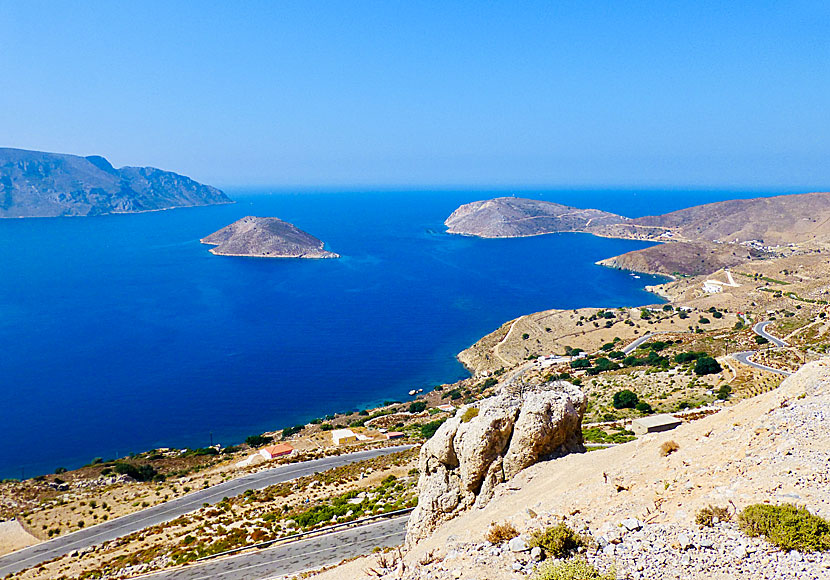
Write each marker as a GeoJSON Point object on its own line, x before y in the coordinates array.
{"type": "Point", "coordinates": [343, 436]}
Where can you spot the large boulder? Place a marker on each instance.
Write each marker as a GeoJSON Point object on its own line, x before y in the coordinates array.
{"type": "Point", "coordinates": [471, 454]}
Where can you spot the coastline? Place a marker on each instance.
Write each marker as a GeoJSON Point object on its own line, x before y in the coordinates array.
{"type": "Point", "coordinates": [172, 207]}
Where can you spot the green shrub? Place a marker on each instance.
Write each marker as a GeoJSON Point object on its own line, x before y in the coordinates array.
{"type": "Point", "coordinates": [558, 541]}
{"type": "Point", "coordinates": [417, 406]}
{"type": "Point", "coordinates": [469, 415]}
{"type": "Point", "coordinates": [643, 408]}
{"type": "Point", "coordinates": [573, 569]}
{"type": "Point", "coordinates": [429, 429]}
{"type": "Point", "coordinates": [139, 473]}
{"type": "Point", "coordinates": [326, 427]}
{"type": "Point", "coordinates": [289, 431]}
{"type": "Point", "coordinates": [625, 399]}
{"type": "Point", "coordinates": [760, 340]}
{"type": "Point", "coordinates": [489, 382]}
{"type": "Point", "coordinates": [257, 440]}
{"type": "Point", "coordinates": [786, 526]}
{"type": "Point", "coordinates": [706, 365]}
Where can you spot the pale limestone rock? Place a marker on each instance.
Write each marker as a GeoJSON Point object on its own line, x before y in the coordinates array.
{"type": "Point", "coordinates": [464, 462]}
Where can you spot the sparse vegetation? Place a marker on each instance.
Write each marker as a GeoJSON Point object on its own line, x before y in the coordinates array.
{"type": "Point", "coordinates": [429, 429]}
{"type": "Point", "coordinates": [711, 515]}
{"type": "Point", "coordinates": [499, 533]}
{"type": "Point", "coordinates": [558, 541]}
{"type": "Point", "coordinates": [787, 526]}
{"type": "Point", "coordinates": [668, 448]}
{"type": "Point", "coordinates": [572, 569]}
{"type": "Point", "coordinates": [469, 415]}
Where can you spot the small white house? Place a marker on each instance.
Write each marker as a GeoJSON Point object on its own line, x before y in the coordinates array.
{"type": "Point", "coordinates": [343, 436]}
{"type": "Point", "coordinates": [710, 287]}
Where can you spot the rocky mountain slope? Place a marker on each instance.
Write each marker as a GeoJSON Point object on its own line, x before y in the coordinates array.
{"type": "Point", "coordinates": [639, 504]}
{"type": "Point", "coordinates": [266, 237]}
{"type": "Point", "coordinates": [776, 220]}
{"type": "Point", "coordinates": [690, 258]}
{"type": "Point", "coordinates": [37, 184]}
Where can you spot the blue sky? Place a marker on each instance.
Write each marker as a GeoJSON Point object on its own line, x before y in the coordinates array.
{"type": "Point", "coordinates": [469, 94]}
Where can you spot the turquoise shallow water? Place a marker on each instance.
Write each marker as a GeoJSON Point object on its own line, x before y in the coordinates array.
{"type": "Point", "coordinates": [122, 333]}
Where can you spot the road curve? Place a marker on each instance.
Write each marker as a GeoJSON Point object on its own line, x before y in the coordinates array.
{"type": "Point", "coordinates": [761, 330]}
{"type": "Point", "coordinates": [118, 527]}
{"type": "Point", "coordinates": [743, 358]}
{"type": "Point", "coordinates": [294, 557]}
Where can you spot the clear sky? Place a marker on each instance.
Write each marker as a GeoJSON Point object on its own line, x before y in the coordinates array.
{"type": "Point", "coordinates": [664, 93]}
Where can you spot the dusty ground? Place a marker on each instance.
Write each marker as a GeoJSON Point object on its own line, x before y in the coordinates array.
{"type": "Point", "coordinates": [14, 537]}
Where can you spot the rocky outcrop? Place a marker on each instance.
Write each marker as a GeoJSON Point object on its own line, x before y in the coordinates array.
{"type": "Point", "coordinates": [37, 184]}
{"type": "Point", "coordinates": [266, 237]}
{"type": "Point", "coordinates": [471, 454]}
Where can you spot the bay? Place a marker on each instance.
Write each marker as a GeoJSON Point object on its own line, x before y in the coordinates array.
{"type": "Point", "coordinates": [123, 333]}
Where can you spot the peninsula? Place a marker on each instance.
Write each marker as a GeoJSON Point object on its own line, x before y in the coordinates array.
{"type": "Point", "coordinates": [266, 237]}
{"type": "Point", "coordinates": [699, 239]}
{"type": "Point", "coordinates": [38, 184]}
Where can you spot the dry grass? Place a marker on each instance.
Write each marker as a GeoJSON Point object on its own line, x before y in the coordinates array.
{"type": "Point", "coordinates": [498, 533]}
{"type": "Point", "coordinates": [668, 448]}
{"type": "Point", "coordinates": [711, 515]}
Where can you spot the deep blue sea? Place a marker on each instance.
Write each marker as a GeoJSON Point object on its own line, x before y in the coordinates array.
{"type": "Point", "coordinates": [123, 333]}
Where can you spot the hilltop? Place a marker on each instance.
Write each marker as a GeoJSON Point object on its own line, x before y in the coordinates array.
{"type": "Point", "coordinates": [513, 217]}
{"type": "Point", "coordinates": [38, 184]}
{"type": "Point", "coordinates": [266, 237]}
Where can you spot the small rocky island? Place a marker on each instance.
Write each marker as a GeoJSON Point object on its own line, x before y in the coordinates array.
{"type": "Point", "coordinates": [38, 184]}
{"type": "Point", "coordinates": [515, 217]}
{"type": "Point", "coordinates": [266, 237]}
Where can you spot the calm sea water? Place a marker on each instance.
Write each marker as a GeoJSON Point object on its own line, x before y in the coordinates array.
{"type": "Point", "coordinates": [122, 333]}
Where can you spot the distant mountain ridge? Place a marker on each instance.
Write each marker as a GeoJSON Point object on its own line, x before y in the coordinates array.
{"type": "Point", "coordinates": [38, 184]}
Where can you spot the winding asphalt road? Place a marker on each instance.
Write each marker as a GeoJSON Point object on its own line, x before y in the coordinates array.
{"type": "Point", "coordinates": [761, 330]}
{"type": "Point", "coordinates": [297, 556]}
{"type": "Point", "coordinates": [118, 527]}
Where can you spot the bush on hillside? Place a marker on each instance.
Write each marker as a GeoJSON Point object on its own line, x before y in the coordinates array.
{"type": "Point", "coordinates": [706, 365]}
{"type": "Point", "coordinates": [139, 473]}
{"type": "Point", "coordinates": [429, 429]}
{"type": "Point", "coordinates": [668, 448]}
{"type": "Point", "coordinates": [499, 533]}
{"type": "Point", "coordinates": [257, 440]}
{"type": "Point", "coordinates": [417, 406]}
{"type": "Point", "coordinates": [706, 516]}
{"type": "Point", "coordinates": [787, 526]}
{"type": "Point", "coordinates": [469, 415]}
{"type": "Point", "coordinates": [625, 399]}
{"type": "Point", "coordinates": [573, 569]}
{"type": "Point", "coordinates": [558, 541]}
